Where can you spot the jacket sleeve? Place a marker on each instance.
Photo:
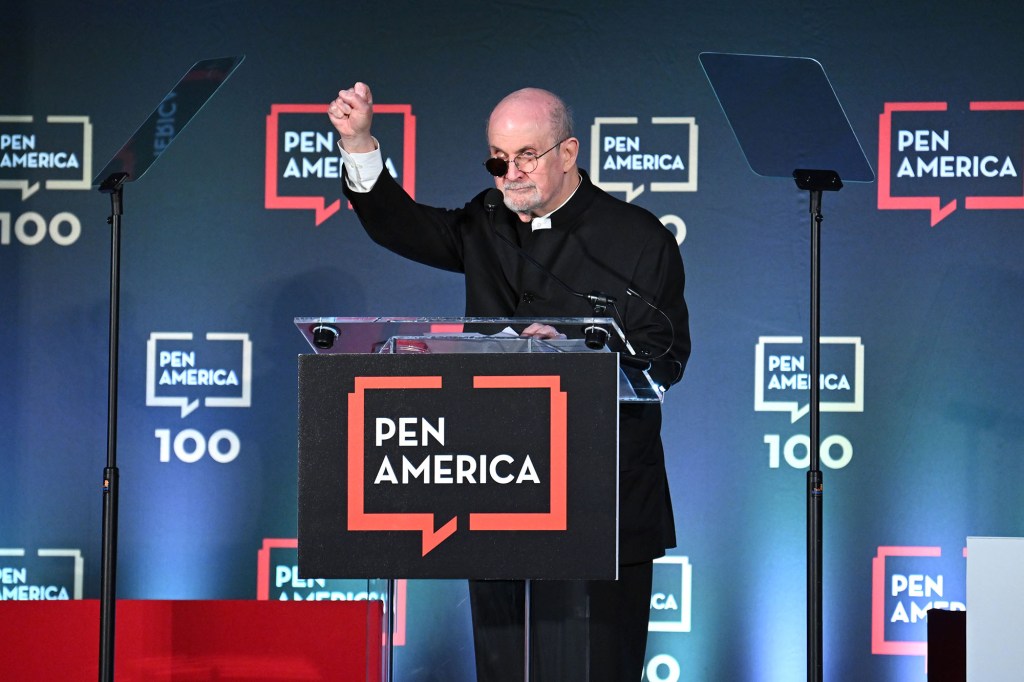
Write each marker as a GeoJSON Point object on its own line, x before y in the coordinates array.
{"type": "Point", "coordinates": [425, 234]}
{"type": "Point", "coordinates": [660, 335]}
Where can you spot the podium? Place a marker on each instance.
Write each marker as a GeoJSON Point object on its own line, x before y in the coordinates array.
{"type": "Point", "coordinates": [455, 448]}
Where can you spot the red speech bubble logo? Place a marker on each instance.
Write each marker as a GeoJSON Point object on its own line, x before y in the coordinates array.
{"type": "Point", "coordinates": [360, 520]}
{"type": "Point", "coordinates": [555, 517]}
{"type": "Point", "coordinates": [996, 202]}
{"type": "Point", "coordinates": [885, 198]}
{"type": "Point", "coordinates": [318, 203]}
{"type": "Point", "coordinates": [879, 644]}
{"type": "Point", "coordinates": [932, 204]}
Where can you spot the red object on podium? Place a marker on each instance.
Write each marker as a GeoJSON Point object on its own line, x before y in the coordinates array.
{"type": "Point", "coordinates": [160, 640]}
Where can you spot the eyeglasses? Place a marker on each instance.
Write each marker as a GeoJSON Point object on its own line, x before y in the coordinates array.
{"type": "Point", "coordinates": [525, 162]}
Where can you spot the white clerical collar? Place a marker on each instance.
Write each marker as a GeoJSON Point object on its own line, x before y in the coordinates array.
{"type": "Point", "coordinates": [544, 222]}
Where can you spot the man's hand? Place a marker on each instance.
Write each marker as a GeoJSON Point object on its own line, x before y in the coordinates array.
{"type": "Point", "coordinates": [542, 331]}
{"type": "Point", "coordinates": [351, 113]}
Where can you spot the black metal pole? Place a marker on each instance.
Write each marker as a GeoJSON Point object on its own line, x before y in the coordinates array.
{"type": "Point", "coordinates": [815, 181]}
{"type": "Point", "coordinates": [814, 479]}
{"type": "Point", "coordinates": [108, 567]}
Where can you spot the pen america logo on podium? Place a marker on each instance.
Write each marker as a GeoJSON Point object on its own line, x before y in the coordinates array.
{"type": "Point", "coordinates": [452, 465]}
{"type": "Point", "coordinates": [439, 466]}
{"type": "Point", "coordinates": [303, 165]}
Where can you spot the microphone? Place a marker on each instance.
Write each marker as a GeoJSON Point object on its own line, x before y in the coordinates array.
{"type": "Point", "coordinates": [671, 330]}
{"type": "Point", "coordinates": [595, 337]}
{"type": "Point", "coordinates": [493, 199]}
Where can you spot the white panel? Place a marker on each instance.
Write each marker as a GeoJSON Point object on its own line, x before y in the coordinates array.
{"type": "Point", "coordinates": [995, 609]}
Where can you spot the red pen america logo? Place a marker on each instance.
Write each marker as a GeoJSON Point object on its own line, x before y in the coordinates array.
{"type": "Point", "coordinates": [940, 156]}
{"type": "Point", "coordinates": [444, 467]}
{"type": "Point", "coordinates": [303, 167]}
{"type": "Point", "coordinates": [907, 581]}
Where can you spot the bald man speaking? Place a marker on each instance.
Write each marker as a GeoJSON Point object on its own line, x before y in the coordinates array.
{"type": "Point", "coordinates": [550, 211]}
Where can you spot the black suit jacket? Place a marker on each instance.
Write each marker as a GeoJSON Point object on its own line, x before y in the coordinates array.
{"type": "Point", "coordinates": [596, 242]}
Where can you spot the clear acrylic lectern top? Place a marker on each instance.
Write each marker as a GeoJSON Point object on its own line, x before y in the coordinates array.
{"type": "Point", "coordinates": [468, 335]}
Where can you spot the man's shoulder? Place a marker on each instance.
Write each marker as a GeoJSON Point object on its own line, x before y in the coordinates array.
{"type": "Point", "coordinates": [616, 210]}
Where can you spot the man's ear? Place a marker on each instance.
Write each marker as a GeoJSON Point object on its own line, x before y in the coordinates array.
{"type": "Point", "coordinates": [570, 151]}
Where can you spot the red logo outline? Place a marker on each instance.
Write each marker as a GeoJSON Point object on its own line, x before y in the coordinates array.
{"type": "Point", "coordinates": [879, 645]}
{"type": "Point", "coordinates": [272, 200]}
{"type": "Point", "coordinates": [996, 202]}
{"type": "Point", "coordinates": [932, 204]}
{"type": "Point", "coordinates": [360, 520]}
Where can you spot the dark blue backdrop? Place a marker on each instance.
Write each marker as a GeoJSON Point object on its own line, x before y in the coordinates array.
{"type": "Point", "coordinates": [923, 420]}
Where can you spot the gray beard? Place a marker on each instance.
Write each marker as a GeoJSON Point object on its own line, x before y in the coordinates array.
{"type": "Point", "coordinates": [523, 204]}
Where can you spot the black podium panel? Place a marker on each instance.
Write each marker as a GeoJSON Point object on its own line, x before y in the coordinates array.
{"type": "Point", "coordinates": [480, 465]}
{"type": "Point", "coordinates": [947, 645]}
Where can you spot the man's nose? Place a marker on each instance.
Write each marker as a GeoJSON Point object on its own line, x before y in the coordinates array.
{"type": "Point", "coordinates": [513, 173]}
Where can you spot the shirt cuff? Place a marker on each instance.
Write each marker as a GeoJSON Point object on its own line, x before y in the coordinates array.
{"type": "Point", "coordinates": [362, 169]}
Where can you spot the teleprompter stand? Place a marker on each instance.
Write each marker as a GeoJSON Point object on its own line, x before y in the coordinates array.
{"type": "Point", "coordinates": [789, 123]}
{"type": "Point", "coordinates": [135, 157]}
